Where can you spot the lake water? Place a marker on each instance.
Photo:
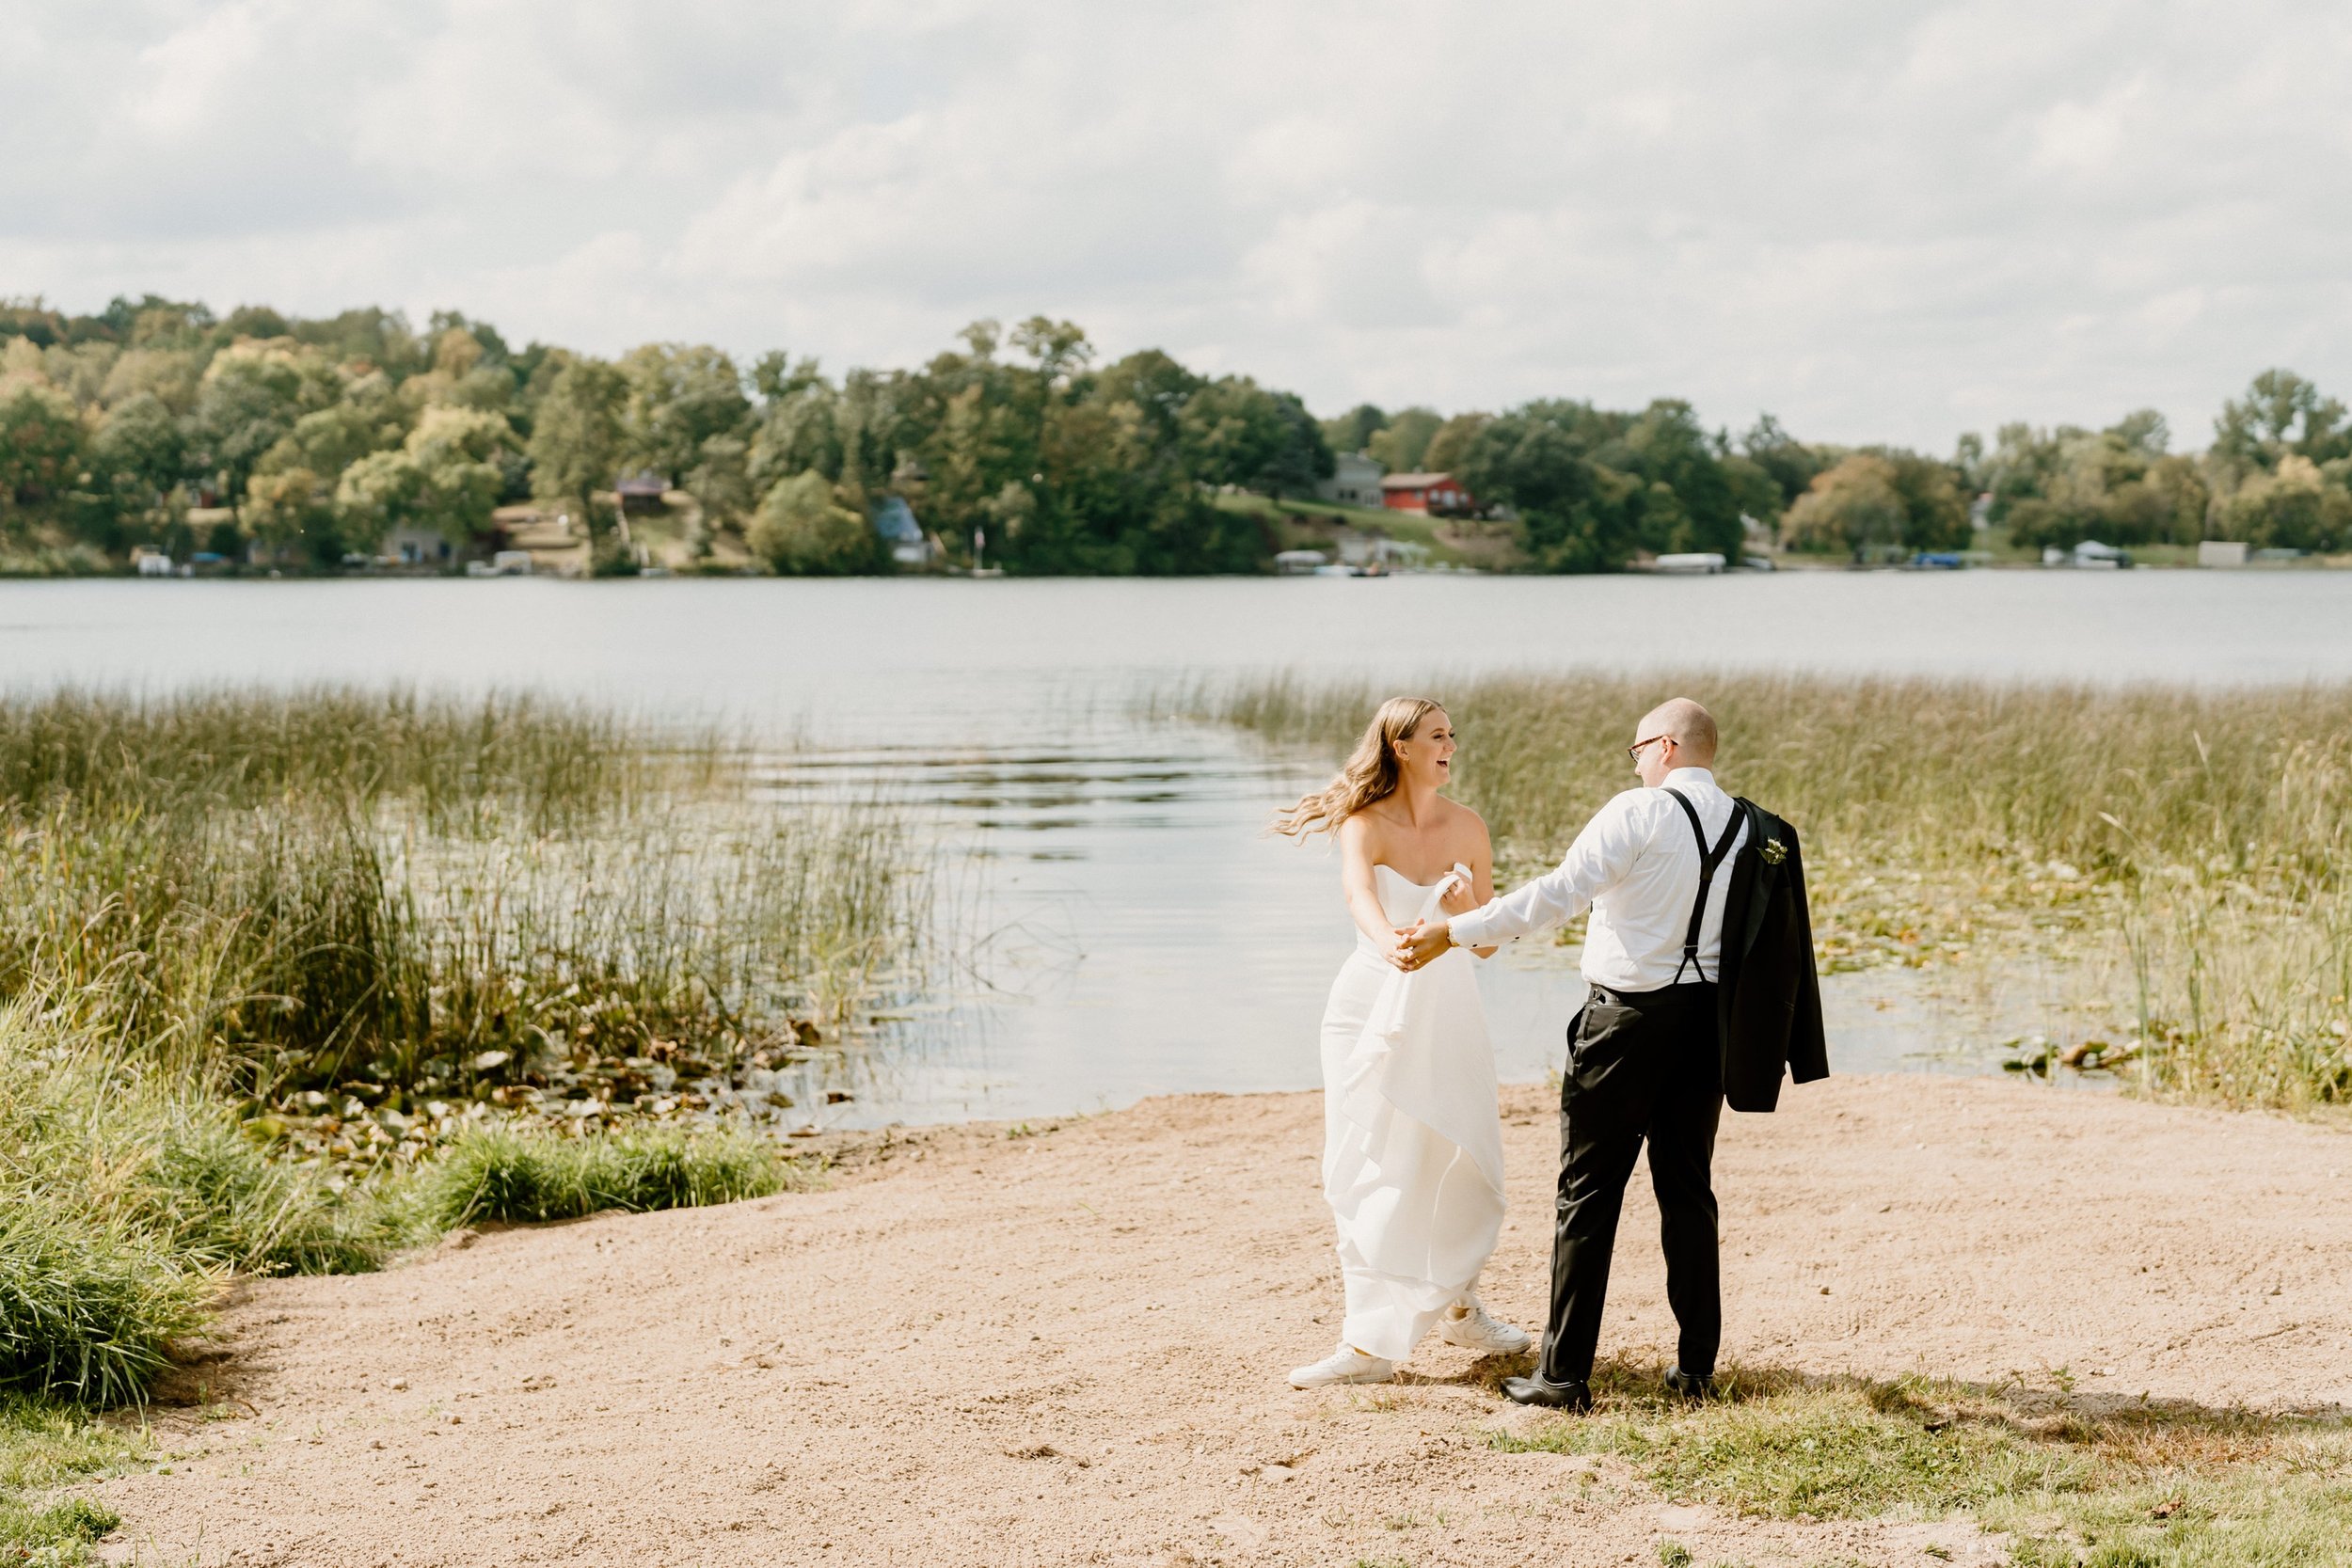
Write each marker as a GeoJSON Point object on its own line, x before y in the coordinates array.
{"type": "Point", "coordinates": [1141, 933]}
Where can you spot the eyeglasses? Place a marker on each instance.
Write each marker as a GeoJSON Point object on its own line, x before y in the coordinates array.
{"type": "Point", "coordinates": [1634, 751]}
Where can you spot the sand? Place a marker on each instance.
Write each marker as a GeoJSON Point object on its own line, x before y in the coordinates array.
{"type": "Point", "coordinates": [978, 1348]}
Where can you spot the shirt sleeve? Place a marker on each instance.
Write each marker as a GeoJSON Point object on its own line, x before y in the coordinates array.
{"type": "Point", "coordinates": [1596, 862]}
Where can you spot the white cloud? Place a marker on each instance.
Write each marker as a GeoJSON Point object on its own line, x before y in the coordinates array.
{"type": "Point", "coordinates": [1880, 222]}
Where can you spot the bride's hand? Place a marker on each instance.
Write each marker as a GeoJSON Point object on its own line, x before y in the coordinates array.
{"type": "Point", "coordinates": [1460, 899]}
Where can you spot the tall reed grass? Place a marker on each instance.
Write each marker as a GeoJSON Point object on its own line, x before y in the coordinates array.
{"type": "Point", "coordinates": [303, 887]}
{"type": "Point", "coordinates": [557, 764]}
{"type": "Point", "coordinates": [211, 902]}
{"type": "Point", "coordinates": [2206, 836]}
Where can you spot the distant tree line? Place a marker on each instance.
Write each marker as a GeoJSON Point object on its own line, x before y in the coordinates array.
{"type": "Point", "coordinates": [155, 425]}
{"type": "Point", "coordinates": [317, 438]}
{"type": "Point", "coordinates": [1590, 488]}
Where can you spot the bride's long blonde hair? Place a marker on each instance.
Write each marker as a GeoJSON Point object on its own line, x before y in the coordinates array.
{"type": "Point", "coordinates": [1369, 774]}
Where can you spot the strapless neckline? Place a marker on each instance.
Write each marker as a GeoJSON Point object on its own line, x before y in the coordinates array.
{"type": "Point", "coordinates": [1408, 881]}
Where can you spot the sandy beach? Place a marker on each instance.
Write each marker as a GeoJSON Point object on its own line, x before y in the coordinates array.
{"type": "Point", "coordinates": [974, 1347]}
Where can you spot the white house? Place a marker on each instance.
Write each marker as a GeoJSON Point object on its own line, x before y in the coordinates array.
{"type": "Point", "coordinates": [411, 546]}
{"type": "Point", "coordinates": [1354, 480]}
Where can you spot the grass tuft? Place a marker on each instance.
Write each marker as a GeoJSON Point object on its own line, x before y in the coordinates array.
{"type": "Point", "coordinates": [87, 1310]}
{"type": "Point", "coordinates": [45, 1445]}
{"type": "Point", "coordinates": [506, 1174]}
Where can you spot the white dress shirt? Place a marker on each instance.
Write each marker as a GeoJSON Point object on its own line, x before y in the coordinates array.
{"type": "Point", "coordinates": [1636, 867]}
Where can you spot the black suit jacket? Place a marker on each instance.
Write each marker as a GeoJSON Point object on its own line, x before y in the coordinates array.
{"type": "Point", "coordinates": [1767, 998]}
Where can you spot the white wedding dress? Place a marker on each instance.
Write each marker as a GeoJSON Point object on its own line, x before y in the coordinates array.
{"type": "Point", "coordinates": [1412, 1153]}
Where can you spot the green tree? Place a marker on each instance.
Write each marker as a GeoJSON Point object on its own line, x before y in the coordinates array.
{"type": "Point", "coordinates": [40, 442]}
{"type": "Point", "coordinates": [377, 494]}
{"type": "Point", "coordinates": [250, 396]}
{"type": "Point", "coordinates": [1792, 465]}
{"type": "Point", "coordinates": [1400, 445]}
{"type": "Point", "coordinates": [1935, 514]}
{"type": "Point", "coordinates": [456, 450]}
{"type": "Point", "coordinates": [680, 396]}
{"type": "Point", "coordinates": [168, 375]}
{"type": "Point", "coordinates": [139, 449]}
{"type": "Point", "coordinates": [1238, 433]}
{"type": "Point", "coordinates": [2280, 414]}
{"type": "Point", "coordinates": [291, 514]}
{"type": "Point", "coordinates": [135, 461]}
{"type": "Point", "coordinates": [1450, 443]}
{"type": "Point", "coordinates": [1576, 514]}
{"type": "Point", "coordinates": [578, 434]}
{"type": "Point", "coordinates": [721, 484]}
{"type": "Point", "coordinates": [1354, 430]}
{"type": "Point", "coordinates": [801, 530]}
{"type": "Point", "coordinates": [444, 478]}
{"type": "Point", "coordinates": [2298, 507]}
{"type": "Point", "coordinates": [1690, 504]}
{"type": "Point", "coordinates": [328, 441]}
{"type": "Point", "coordinates": [1851, 508]}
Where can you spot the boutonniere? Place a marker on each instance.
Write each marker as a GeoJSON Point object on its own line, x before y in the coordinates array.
{"type": "Point", "coordinates": [1775, 851]}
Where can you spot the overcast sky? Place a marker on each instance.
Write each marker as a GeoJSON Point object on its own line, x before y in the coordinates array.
{"type": "Point", "coordinates": [1881, 221]}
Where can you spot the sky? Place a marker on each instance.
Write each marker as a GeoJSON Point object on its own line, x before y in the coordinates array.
{"type": "Point", "coordinates": [1880, 221]}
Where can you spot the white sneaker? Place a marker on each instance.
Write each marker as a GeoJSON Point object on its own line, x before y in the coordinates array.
{"type": "Point", "coordinates": [1343, 1365]}
{"type": "Point", "coordinates": [1474, 1330]}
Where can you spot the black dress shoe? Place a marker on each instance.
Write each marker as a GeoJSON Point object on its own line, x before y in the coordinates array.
{"type": "Point", "coordinates": [1572, 1396]}
{"type": "Point", "coordinates": [1693, 1387]}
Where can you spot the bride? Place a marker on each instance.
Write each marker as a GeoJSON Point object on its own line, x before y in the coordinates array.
{"type": "Point", "coordinates": [1412, 1152]}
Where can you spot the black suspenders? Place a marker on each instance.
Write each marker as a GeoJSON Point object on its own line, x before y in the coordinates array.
{"type": "Point", "coordinates": [1709, 860]}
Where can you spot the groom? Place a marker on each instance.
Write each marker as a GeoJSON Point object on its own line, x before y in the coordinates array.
{"type": "Point", "coordinates": [1648, 1052]}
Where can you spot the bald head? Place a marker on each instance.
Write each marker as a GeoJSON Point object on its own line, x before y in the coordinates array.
{"type": "Point", "coordinates": [1691, 730]}
{"type": "Point", "coordinates": [1692, 726]}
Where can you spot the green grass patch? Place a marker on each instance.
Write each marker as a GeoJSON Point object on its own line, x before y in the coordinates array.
{"type": "Point", "coordinates": [45, 1446]}
{"type": "Point", "coordinates": [2067, 1480]}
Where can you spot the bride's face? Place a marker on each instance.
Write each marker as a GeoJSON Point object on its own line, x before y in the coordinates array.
{"type": "Point", "coordinates": [1426, 757]}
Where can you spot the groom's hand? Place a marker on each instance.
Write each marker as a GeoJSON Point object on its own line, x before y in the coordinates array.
{"type": "Point", "coordinates": [1421, 944]}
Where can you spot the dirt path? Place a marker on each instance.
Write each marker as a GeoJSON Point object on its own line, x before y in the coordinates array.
{"type": "Point", "coordinates": [1069, 1348]}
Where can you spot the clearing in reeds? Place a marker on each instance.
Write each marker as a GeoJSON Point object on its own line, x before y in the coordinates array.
{"type": "Point", "coordinates": [2201, 839]}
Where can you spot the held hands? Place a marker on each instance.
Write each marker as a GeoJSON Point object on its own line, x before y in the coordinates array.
{"type": "Point", "coordinates": [1420, 946]}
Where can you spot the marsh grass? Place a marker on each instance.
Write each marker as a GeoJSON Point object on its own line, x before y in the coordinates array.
{"type": "Point", "coordinates": [2205, 837]}
{"type": "Point", "coordinates": [2067, 1480]}
{"type": "Point", "coordinates": [557, 764]}
{"type": "Point", "coordinates": [388, 911]}
{"type": "Point", "coordinates": [312, 886]}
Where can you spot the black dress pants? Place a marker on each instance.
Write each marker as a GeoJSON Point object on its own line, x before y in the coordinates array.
{"type": "Point", "coordinates": [1641, 1066]}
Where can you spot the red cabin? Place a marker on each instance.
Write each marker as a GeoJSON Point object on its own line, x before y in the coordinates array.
{"type": "Point", "coordinates": [1432, 495]}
